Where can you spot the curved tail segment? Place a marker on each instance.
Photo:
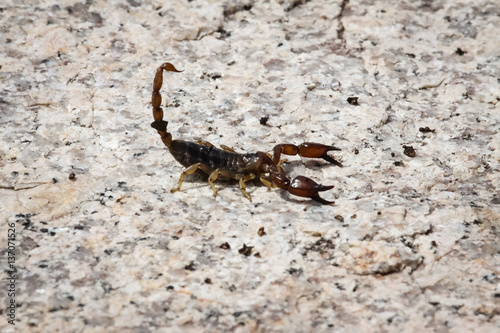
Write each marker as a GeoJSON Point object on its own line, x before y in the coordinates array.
{"type": "Point", "coordinates": [159, 124]}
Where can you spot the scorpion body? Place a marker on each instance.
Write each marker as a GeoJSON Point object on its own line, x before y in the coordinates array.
{"type": "Point", "coordinates": [189, 153]}
{"type": "Point", "coordinates": [225, 163]}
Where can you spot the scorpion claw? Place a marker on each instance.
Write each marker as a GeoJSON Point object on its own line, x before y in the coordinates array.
{"type": "Point", "coordinates": [330, 159]}
{"type": "Point", "coordinates": [322, 201]}
{"type": "Point", "coordinates": [306, 187]}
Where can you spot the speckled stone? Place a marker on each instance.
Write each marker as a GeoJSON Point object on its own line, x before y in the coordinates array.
{"type": "Point", "coordinates": [409, 90]}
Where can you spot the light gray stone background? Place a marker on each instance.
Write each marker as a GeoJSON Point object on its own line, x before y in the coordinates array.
{"type": "Point", "coordinates": [411, 244]}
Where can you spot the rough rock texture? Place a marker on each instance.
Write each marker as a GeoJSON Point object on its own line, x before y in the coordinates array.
{"type": "Point", "coordinates": [409, 90]}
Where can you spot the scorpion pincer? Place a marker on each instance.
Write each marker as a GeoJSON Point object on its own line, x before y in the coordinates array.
{"type": "Point", "coordinates": [226, 163]}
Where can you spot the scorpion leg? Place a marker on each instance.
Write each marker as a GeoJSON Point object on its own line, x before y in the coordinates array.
{"type": "Point", "coordinates": [208, 144]}
{"type": "Point", "coordinates": [204, 143]}
{"type": "Point", "coordinates": [242, 179]}
{"type": "Point", "coordinates": [190, 170]}
{"type": "Point", "coordinates": [307, 149]}
{"type": "Point", "coordinates": [266, 182]}
{"type": "Point", "coordinates": [226, 148]}
{"type": "Point", "coordinates": [301, 186]}
{"type": "Point", "coordinates": [243, 186]}
{"type": "Point", "coordinates": [213, 177]}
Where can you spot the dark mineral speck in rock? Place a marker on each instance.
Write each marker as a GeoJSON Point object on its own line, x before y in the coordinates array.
{"type": "Point", "coordinates": [246, 250]}
{"type": "Point", "coordinates": [190, 266]}
{"type": "Point", "coordinates": [263, 120]}
{"type": "Point", "coordinates": [426, 129]}
{"type": "Point", "coordinates": [225, 246]}
{"type": "Point", "coordinates": [353, 100]}
{"type": "Point", "coordinates": [409, 151]}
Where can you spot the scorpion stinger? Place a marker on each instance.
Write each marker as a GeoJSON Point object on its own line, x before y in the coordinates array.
{"type": "Point", "coordinates": [215, 162]}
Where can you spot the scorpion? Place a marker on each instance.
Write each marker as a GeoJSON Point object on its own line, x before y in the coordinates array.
{"type": "Point", "coordinates": [226, 163]}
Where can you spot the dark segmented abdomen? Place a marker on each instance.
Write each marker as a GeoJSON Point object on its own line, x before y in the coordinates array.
{"type": "Point", "coordinates": [189, 153]}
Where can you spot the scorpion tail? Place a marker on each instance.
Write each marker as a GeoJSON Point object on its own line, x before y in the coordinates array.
{"type": "Point", "coordinates": [159, 124]}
